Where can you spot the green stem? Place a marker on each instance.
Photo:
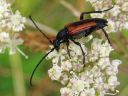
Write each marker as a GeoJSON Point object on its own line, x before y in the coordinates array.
{"type": "Point", "coordinates": [17, 75]}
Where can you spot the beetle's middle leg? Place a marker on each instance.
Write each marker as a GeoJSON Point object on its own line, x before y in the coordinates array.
{"type": "Point", "coordinates": [67, 44]}
{"type": "Point", "coordinates": [77, 43]}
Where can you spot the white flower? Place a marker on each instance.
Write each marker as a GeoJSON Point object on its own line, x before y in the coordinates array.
{"type": "Point", "coordinates": [87, 76]}
{"type": "Point", "coordinates": [112, 82]}
{"type": "Point", "coordinates": [117, 15]}
{"type": "Point", "coordinates": [88, 92]}
{"type": "Point", "coordinates": [9, 24]}
{"type": "Point", "coordinates": [111, 26]}
{"type": "Point", "coordinates": [65, 91]}
{"type": "Point", "coordinates": [78, 85]}
{"type": "Point", "coordinates": [97, 15]}
{"type": "Point", "coordinates": [116, 63]}
{"type": "Point", "coordinates": [125, 25]}
{"type": "Point", "coordinates": [13, 43]}
{"type": "Point", "coordinates": [16, 22]}
{"type": "Point", "coordinates": [4, 37]}
{"type": "Point", "coordinates": [64, 79]}
{"type": "Point", "coordinates": [103, 63]}
{"type": "Point", "coordinates": [66, 65]}
{"type": "Point", "coordinates": [77, 67]}
{"type": "Point", "coordinates": [55, 72]}
{"type": "Point", "coordinates": [113, 68]}
{"type": "Point", "coordinates": [115, 10]}
{"type": "Point", "coordinates": [52, 54]}
{"type": "Point", "coordinates": [105, 49]}
{"type": "Point", "coordinates": [4, 8]}
{"type": "Point", "coordinates": [96, 76]}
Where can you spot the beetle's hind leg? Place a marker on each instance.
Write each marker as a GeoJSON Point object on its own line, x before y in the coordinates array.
{"type": "Point", "coordinates": [83, 13]}
{"type": "Point", "coordinates": [106, 35]}
{"type": "Point", "coordinates": [77, 43]}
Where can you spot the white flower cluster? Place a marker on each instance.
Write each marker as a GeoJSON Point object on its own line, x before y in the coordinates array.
{"type": "Point", "coordinates": [117, 17]}
{"type": "Point", "coordinates": [10, 25]}
{"type": "Point", "coordinates": [97, 77]}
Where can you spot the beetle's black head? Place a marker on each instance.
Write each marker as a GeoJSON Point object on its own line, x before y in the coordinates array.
{"type": "Point", "coordinates": [56, 44]}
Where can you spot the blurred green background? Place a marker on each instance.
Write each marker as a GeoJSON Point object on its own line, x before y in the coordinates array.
{"type": "Point", "coordinates": [15, 70]}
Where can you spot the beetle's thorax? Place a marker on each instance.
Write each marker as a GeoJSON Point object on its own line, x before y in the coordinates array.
{"type": "Point", "coordinates": [61, 37]}
{"type": "Point", "coordinates": [101, 22]}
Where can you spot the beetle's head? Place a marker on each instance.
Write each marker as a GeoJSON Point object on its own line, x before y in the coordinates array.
{"type": "Point", "coordinates": [56, 44]}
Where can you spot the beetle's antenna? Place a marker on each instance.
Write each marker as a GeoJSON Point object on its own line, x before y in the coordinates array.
{"type": "Point", "coordinates": [40, 30]}
{"type": "Point", "coordinates": [39, 64]}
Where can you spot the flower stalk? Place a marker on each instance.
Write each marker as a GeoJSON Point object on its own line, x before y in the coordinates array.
{"type": "Point", "coordinates": [17, 75]}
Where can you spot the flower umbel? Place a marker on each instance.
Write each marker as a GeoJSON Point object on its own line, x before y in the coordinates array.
{"type": "Point", "coordinates": [117, 17]}
{"type": "Point", "coordinates": [97, 77]}
{"type": "Point", "coordinates": [10, 25]}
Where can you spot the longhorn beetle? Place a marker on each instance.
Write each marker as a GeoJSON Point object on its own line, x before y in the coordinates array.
{"type": "Point", "coordinates": [73, 31]}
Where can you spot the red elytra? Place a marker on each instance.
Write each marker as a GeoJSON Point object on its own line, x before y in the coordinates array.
{"type": "Point", "coordinates": [74, 29]}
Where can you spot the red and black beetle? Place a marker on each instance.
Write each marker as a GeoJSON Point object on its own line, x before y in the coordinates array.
{"type": "Point", "coordinates": [75, 30]}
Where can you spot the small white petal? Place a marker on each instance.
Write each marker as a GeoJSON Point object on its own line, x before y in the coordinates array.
{"type": "Point", "coordinates": [66, 65]}
{"type": "Point", "coordinates": [79, 85]}
{"type": "Point", "coordinates": [55, 72]}
{"type": "Point", "coordinates": [65, 91]}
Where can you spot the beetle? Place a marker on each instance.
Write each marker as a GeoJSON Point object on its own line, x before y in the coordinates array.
{"type": "Point", "coordinates": [75, 30]}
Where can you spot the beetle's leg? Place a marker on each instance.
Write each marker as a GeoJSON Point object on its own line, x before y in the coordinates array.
{"type": "Point", "coordinates": [67, 44]}
{"type": "Point", "coordinates": [77, 43]}
{"type": "Point", "coordinates": [106, 35]}
{"type": "Point", "coordinates": [82, 14]}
